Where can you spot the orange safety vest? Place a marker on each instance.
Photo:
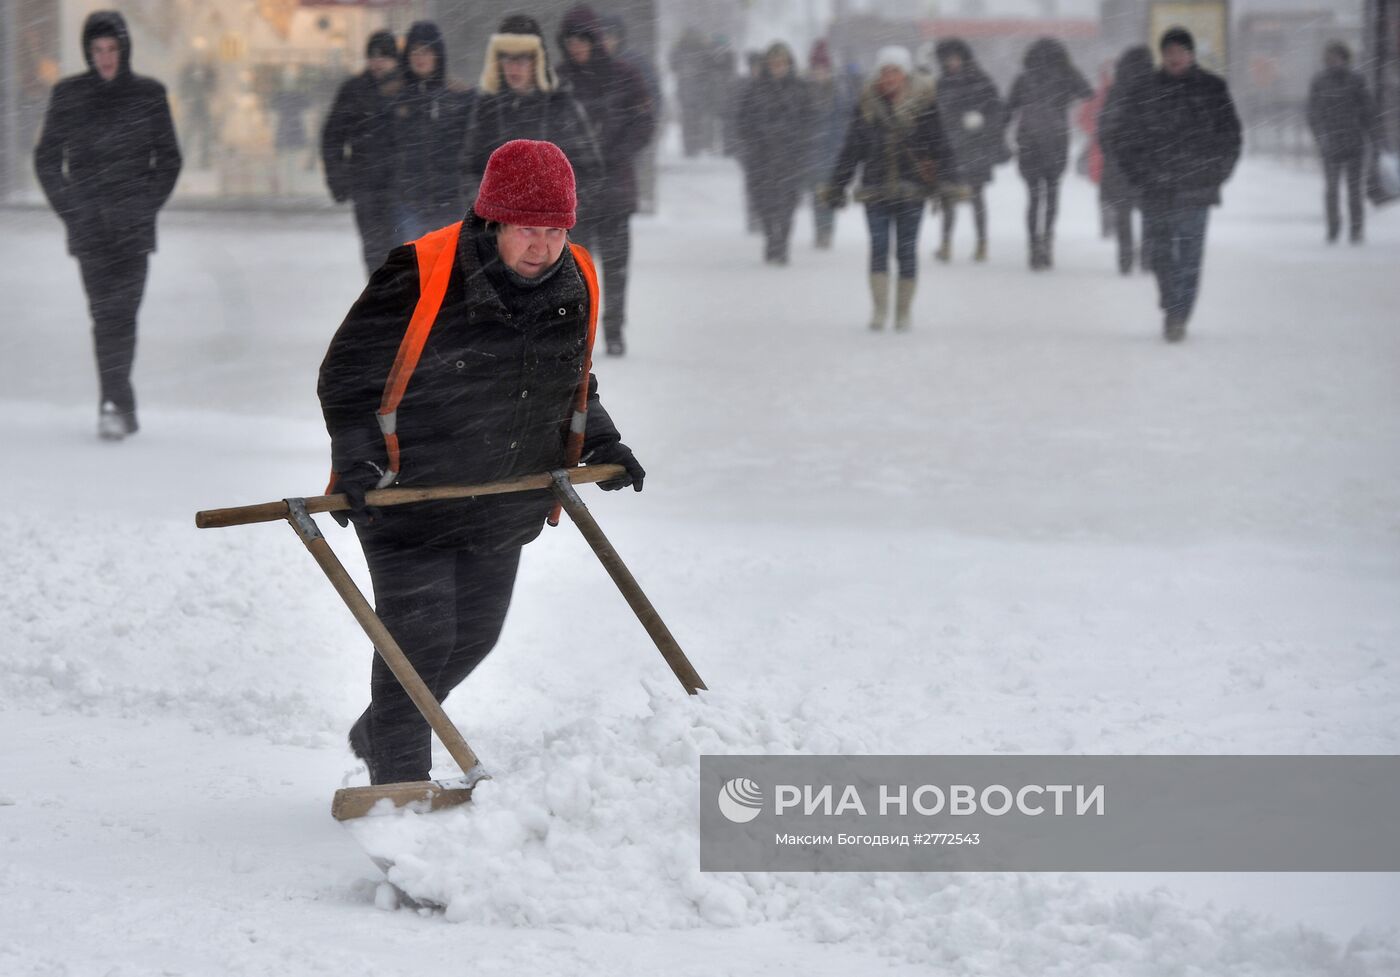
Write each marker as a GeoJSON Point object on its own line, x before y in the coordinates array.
{"type": "Point", "coordinates": [436, 252]}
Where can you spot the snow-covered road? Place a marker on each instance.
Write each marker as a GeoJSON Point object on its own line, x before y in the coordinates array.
{"type": "Point", "coordinates": [1028, 526]}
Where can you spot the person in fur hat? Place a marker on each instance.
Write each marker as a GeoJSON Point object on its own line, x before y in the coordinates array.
{"type": "Point", "coordinates": [896, 140]}
{"type": "Point", "coordinates": [491, 397]}
{"type": "Point", "coordinates": [519, 97]}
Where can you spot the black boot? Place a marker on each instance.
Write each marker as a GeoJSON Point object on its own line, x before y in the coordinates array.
{"type": "Point", "coordinates": [360, 743]}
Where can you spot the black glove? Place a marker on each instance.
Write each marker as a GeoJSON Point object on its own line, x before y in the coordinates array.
{"type": "Point", "coordinates": [618, 453]}
{"type": "Point", "coordinates": [354, 483]}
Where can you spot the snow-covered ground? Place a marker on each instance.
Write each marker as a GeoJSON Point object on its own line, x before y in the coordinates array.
{"type": "Point", "coordinates": [1029, 527]}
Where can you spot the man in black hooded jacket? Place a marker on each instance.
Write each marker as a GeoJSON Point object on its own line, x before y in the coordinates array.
{"type": "Point", "coordinates": [358, 150]}
{"type": "Point", "coordinates": [431, 114]}
{"type": "Point", "coordinates": [614, 94]}
{"type": "Point", "coordinates": [107, 161]}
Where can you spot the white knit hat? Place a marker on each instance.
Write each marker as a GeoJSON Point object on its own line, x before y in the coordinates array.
{"type": "Point", "coordinates": [895, 56]}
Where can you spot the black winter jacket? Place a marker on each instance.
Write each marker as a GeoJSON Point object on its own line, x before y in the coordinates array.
{"type": "Point", "coordinates": [108, 159]}
{"type": "Point", "coordinates": [1180, 142]}
{"type": "Point", "coordinates": [1040, 99]}
{"type": "Point", "coordinates": [490, 399]}
{"type": "Point", "coordinates": [1341, 113]}
{"type": "Point", "coordinates": [357, 142]}
{"type": "Point", "coordinates": [901, 149]}
{"type": "Point", "coordinates": [552, 116]}
{"type": "Point", "coordinates": [614, 96]}
{"type": "Point", "coordinates": [776, 125]}
{"type": "Point", "coordinates": [430, 129]}
{"type": "Point", "coordinates": [974, 120]}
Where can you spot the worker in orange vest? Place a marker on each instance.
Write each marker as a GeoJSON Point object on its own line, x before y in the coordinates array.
{"type": "Point", "coordinates": [467, 359]}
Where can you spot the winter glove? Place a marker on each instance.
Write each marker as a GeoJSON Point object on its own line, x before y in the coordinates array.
{"type": "Point", "coordinates": [618, 453]}
{"type": "Point", "coordinates": [354, 483]}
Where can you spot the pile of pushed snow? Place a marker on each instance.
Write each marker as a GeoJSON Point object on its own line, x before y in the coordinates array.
{"type": "Point", "coordinates": [596, 827]}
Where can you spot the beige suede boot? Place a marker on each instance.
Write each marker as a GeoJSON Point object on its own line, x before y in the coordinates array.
{"type": "Point", "coordinates": [903, 302]}
{"type": "Point", "coordinates": [880, 294]}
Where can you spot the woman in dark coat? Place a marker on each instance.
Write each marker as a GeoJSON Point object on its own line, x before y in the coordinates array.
{"type": "Point", "coordinates": [974, 121]}
{"type": "Point", "coordinates": [1040, 100]}
{"type": "Point", "coordinates": [775, 127]}
{"type": "Point", "coordinates": [431, 114]}
{"type": "Point", "coordinates": [1133, 72]}
{"type": "Point", "coordinates": [491, 398]}
{"type": "Point", "coordinates": [107, 161]}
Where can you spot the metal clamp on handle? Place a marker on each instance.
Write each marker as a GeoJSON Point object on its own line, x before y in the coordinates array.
{"type": "Point", "coordinates": [565, 487]}
{"type": "Point", "coordinates": [301, 520]}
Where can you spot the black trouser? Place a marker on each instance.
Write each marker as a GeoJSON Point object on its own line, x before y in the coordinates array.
{"type": "Point", "coordinates": [608, 237]}
{"type": "Point", "coordinates": [1044, 204]}
{"type": "Point", "coordinates": [445, 608]}
{"type": "Point", "coordinates": [949, 203]}
{"type": "Point", "coordinates": [114, 285]}
{"type": "Point", "coordinates": [776, 207]}
{"type": "Point", "coordinates": [1123, 227]}
{"type": "Point", "coordinates": [1332, 169]}
{"type": "Point", "coordinates": [375, 219]}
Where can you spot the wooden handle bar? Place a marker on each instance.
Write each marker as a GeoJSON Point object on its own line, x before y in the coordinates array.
{"type": "Point", "coordinates": [272, 511]}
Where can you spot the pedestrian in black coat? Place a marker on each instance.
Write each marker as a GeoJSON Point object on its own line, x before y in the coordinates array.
{"type": "Point", "coordinates": [832, 98]}
{"type": "Point", "coordinates": [519, 97]}
{"type": "Point", "coordinates": [491, 398]}
{"type": "Point", "coordinates": [1130, 78]}
{"type": "Point", "coordinates": [431, 114]}
{"type": "Point", "coordinates": [614, 95]}
{"type": "Point", "coordinates": [1039, 101]}
{"type": "Point", "coordinates": [108, 161]}
{"type": "Point", "coordinates": [358, 149]}
{"type": "Point", "coordinates": [776, 125]}
{"type": "Point", "coordinates": [974, 121]}
{"type": "Point", "coordinates": [1343, 120]}
{"type": "Point", "coordinates": [1176, 147]}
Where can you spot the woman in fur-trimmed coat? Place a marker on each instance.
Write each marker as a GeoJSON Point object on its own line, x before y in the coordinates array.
{"type": "Point", "coordinates": [897, 141]}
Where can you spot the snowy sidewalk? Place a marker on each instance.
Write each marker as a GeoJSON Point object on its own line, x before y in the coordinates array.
{"type": "Point", "coordinates": [1028, 526]}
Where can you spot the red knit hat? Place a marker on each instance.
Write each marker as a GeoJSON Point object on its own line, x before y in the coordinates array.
{"type": "Point", "coordinates": [528, 183]}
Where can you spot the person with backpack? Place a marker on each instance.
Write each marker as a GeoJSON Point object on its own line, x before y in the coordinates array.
{"type": "Point", "coordinates": [499, 364]}
{"type": "Point", "coordinates": [108, 161]}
